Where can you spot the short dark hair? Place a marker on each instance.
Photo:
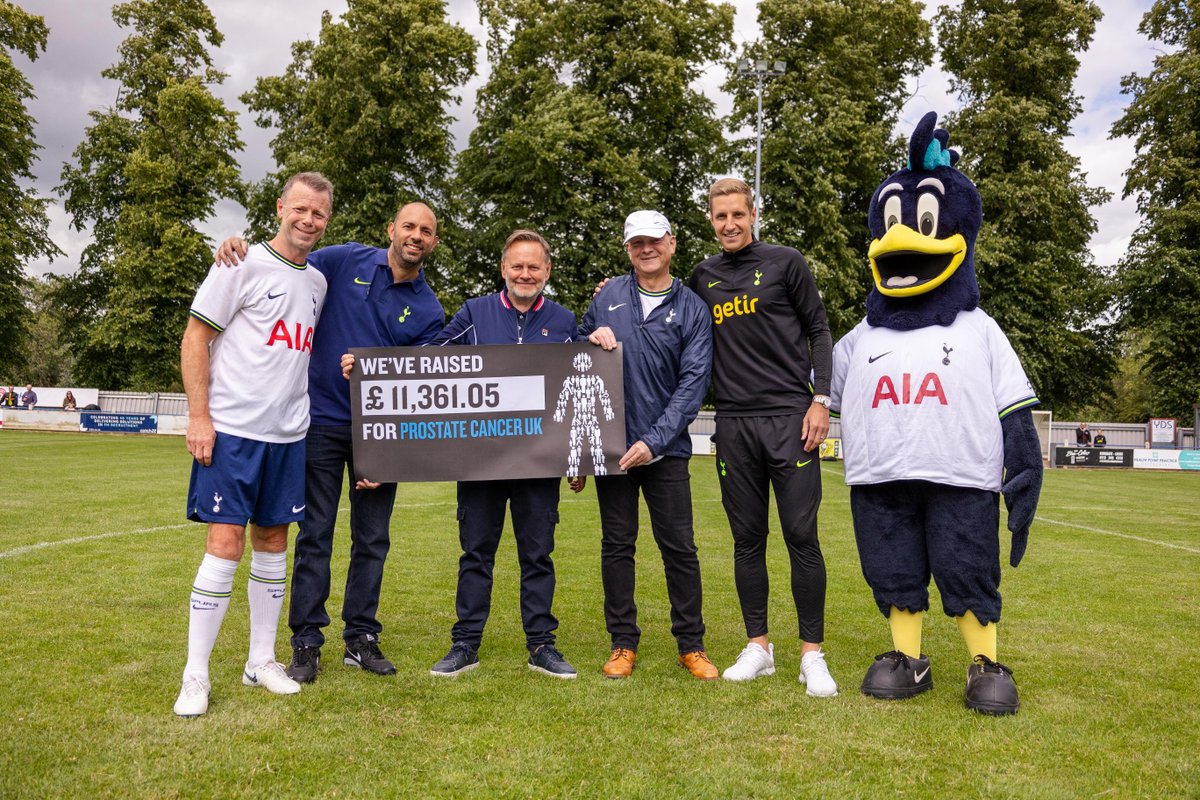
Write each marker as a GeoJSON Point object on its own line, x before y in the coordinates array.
{"type": "Point", "coordinates": [313, 180]}
{"type": "Point", "coordinates": [524, 235]}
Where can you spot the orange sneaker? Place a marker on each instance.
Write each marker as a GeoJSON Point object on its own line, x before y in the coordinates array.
{"type": "Point", "coordinates": [620, 663]}
{"type": "Point", "coordinates": [697, 663]}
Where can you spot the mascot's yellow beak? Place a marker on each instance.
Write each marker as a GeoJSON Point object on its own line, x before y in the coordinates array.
{"type": "Point", "coordinates": [906, 263]}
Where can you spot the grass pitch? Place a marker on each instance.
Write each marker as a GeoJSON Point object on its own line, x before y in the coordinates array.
{"type": "Point", "coordinates": [1100, 625]}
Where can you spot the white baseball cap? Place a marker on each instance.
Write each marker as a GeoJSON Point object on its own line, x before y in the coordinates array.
{"type": "Point", "coordinates": [646, 223]}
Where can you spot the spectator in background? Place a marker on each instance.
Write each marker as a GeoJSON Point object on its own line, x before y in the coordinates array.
{"type": "Point", "coordinates": [1100, 439]}
{"type": "Point", "coordinates": [29, 399]}
{"type": "Point", "coordinates": [9, 398]}
{"type": "Point", "coordinates": [69, 402]}
{"type": "Point", "coordinates": [1083, 437]}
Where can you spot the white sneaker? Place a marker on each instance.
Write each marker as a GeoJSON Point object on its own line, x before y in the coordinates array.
{"type": "Point", "coordinates": [193, 697]}
{"type": "Point", "coordinates": [815, 672]}
{"type": "Point", "coordinates": [753, 662]}
{"type": "Point", "coordinates": [272, 677]}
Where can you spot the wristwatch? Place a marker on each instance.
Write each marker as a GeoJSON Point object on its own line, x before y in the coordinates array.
{"type": "Point", "coordinates": [822, 399]}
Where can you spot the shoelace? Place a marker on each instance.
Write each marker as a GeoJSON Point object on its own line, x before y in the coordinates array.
{"type": "Point", "coordinates": [193, 686]}
{"type": "Point", "coordinates": [898, 659]}
{"type": "Point", "coordinates": [746, 651]}
{"type": "Point", "coordinates": [306, 655]}
{"type": "Point", "coordinates": [620, 652]}
{"type": "Point", "coordinates": [991, 666]}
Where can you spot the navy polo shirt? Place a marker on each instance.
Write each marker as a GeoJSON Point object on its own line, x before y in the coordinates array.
{"type": "Point", "coordinates": [492, 319]}
{"type": "Point", "coordinates": [364, 307]}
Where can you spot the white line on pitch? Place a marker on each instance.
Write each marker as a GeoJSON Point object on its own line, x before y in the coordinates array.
{"type": "Point", "coordinates": [16, 551]}
{"type": "Point", "coordinates": [1120, 535]}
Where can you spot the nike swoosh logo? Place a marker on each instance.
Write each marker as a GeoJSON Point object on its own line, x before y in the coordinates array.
{"type": "Point", "coordinates": [361, 283]}
{"type": "Point", "coordinates": [614, 308]}
{"type": "Point", "coordinates": [917, 676]}
{"type": "Point", "coordinates": [712, 283]}
{"type": "Point", "coordinates": [873, 359]}
{"type": "Point", "coordinates": [805, 464]}
{"type": "Point", "coordinates": [296, 510]}
{"type": "Point", "coordinates": [273, 296]}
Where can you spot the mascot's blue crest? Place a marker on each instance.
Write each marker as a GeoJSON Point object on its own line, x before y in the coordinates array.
{"type": "Point", "coordinates": [930, 148]}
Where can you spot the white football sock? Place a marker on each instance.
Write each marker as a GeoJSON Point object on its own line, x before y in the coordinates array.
{"type": "Point", "coordinates": [209, 601]}
{"type": "Point", "coordinates": [268, 577]}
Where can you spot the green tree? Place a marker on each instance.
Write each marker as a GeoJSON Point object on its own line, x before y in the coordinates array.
{"type": "Point", "coordinates": [1159, 277]}
{"type": "Point", "coordinates": [367, 106]}
{"type": "Point", "coordinates": [1013, 64]}
{"type": "Point", "coordinates": [148, 171]}
{"type": "Point", "coordinates": [51, 359]}
{"type": "Point", "coordinates": [589, 114]}
{"type": "Point", "coordinates": [828, 127]}
{"type": "Point", "coordinates": [23, 220]}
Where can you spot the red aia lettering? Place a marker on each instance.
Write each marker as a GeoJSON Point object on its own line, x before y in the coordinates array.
{"type": "Point", "coordinates": [931, 388]}
{"type": "Point", "coordinates": [302, 341]}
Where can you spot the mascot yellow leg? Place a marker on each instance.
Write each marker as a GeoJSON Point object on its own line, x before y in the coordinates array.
{"type": "Point", "coordinates": [980, 638]}
{"type": "Point", "coordinates": [906, 631]}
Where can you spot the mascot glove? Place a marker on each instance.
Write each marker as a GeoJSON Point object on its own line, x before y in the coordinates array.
{"type": "Point", "coordinates": [1021, 498]}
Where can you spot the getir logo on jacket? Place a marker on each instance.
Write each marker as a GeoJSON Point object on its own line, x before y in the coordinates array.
{"type": "Point", "coordinates": [298, 339]}
{"type": "Point", "coordinates": [737, 307]}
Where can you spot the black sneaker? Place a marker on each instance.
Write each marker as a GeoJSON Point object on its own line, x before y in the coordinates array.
{"type": "Point", "coordinates": [990, 688]}
{"type": "Point", "coordinates": [461, 658]}
{"type": "Point", "coordinates": [895, 676]}
{"type": "Point", "coordinates": [547, 660]}
{"type": "Point", "coordinates": [306, 661]}
{"type": "Point", "coordinates": [363, 652]}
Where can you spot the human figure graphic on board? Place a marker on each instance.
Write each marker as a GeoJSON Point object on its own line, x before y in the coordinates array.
{"type": "Point", "coordinates": [582, 391]}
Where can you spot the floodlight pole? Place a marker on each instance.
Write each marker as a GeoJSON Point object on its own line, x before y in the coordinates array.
{"type": "Point", "coordinates": [760, 70]}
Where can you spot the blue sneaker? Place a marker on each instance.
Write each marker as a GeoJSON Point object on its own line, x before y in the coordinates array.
{"type": "Point", "coordinates": [548, 661]}
{"type": "Point", "coordinates": [462, 657]}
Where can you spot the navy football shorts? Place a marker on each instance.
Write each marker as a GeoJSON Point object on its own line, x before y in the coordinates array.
{"type": "Point", "coordinates": [249, 480]}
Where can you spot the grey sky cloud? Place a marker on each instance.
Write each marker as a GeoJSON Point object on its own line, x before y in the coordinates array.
{"type": "Point", "coordinates": [258, 37]}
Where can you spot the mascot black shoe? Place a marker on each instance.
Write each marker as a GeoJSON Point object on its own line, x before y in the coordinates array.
{"type": "Point", "coordinates": [895, 676]}
{"type": "Point", "coordinates": [936, 424]}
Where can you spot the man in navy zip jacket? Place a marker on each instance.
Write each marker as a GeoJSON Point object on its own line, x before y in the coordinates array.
{"type": "Point", "coordinates": [665, 332]}
{"type": "Point", "coordinates": [518, 314]}
{"type": "Point", "coordinates": [377, 298]}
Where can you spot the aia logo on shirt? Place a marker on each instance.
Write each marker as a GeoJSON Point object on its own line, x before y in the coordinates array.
{"type": "Point", "coordinates": [930, 389]}
{"type": "Point", "coordinates": [297, 338]}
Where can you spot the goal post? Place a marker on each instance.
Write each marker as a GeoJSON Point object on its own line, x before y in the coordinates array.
{"type": "Point", "coordinates": [1043, 421]}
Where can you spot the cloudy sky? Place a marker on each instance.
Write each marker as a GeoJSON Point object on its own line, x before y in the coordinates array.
{"type": "Point", "coordinates": [84, 38]}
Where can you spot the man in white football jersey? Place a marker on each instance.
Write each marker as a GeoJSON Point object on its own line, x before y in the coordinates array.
{"type": "Point", "coordinates": [244, 361]}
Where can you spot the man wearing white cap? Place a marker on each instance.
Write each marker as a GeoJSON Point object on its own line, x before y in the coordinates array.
{"type": "Point", "coordinates": [665, 332]}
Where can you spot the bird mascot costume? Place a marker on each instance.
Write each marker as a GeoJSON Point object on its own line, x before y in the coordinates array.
{"type": "Point", "coordinates": [936, 424]}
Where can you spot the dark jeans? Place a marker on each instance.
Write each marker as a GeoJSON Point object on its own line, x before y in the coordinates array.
{"type": "Point", "coordinates": [370, 511]}
{"type": "Point", "coordinates": [754, 455]}
{"type": "Point", "coordinates": [666, 485]}
{"type": "Point", "coordinates": [481, 505]}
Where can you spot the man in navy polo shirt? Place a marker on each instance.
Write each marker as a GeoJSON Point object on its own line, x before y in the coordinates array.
{"type": "Point", "coordinates": [377, 298]}
{"type": "Point", "coordinates": [517, 314]}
